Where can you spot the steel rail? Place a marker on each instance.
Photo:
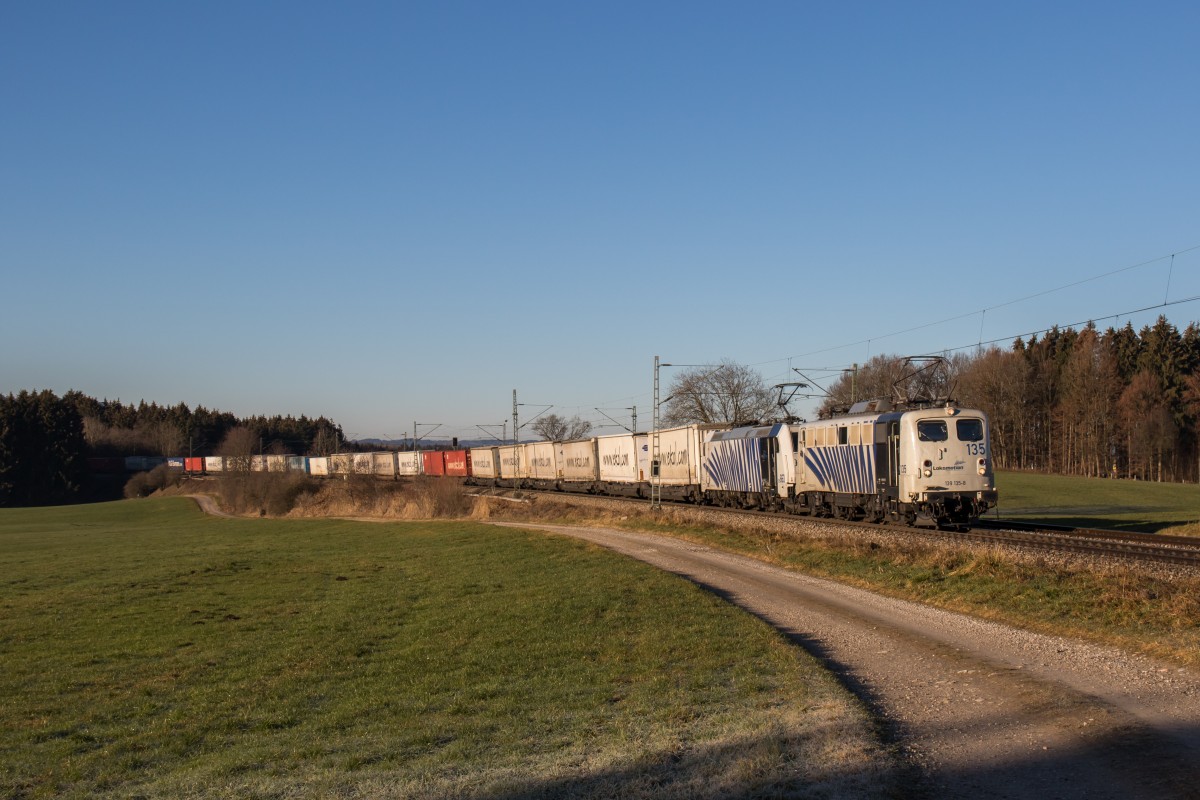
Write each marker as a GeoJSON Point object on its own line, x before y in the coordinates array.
{"type": "Point", "coordinates": [1144, 547]}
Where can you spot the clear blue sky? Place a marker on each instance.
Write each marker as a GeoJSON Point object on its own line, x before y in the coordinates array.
{"type": "Point", "coordinates": [396, 212]}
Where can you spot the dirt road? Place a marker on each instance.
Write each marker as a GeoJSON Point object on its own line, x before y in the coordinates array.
{"type": "Point", "coordinates": [974, 709]}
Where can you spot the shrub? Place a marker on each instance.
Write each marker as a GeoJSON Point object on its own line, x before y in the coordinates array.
{"type": "Point", "coordinates": [264, 493]}
{"type": "Point", "coordinates": [441, 497]}
{"type": "Point", "coordinates": [144, 484]}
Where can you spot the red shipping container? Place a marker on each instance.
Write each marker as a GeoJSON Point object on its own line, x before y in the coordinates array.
{"type": "Point", "coordinates": [433, 462]}
{"type": "Point", "coordinates": [458, 463]}
{"type": "Point", "coordinates": [194, 464]}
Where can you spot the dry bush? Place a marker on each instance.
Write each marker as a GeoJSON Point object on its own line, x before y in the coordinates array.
{"type": "Point", "coordinates": [440, 497]}
{"type": "Point", "coordinates": [1186, 529]}
{"type": "Point", "coordinates": [144, 484]}
{"type": "Point", "coordinates": [367, 496]}
{"type": "Point", "coordinates": [264, 493]}
{"type": "Point", "coordinates": [363, 491]}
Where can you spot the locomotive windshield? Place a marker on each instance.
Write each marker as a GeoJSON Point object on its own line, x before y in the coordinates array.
{"type": "Point", "coordinates": [970, 430]}
{"type": "Point", "coordinates": [932, 430]}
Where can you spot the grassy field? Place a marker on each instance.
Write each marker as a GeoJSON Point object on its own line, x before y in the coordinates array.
{"type": "Point", "coordinates": [1100, 503]}
{"type": "Point", "coordinates": [150, 651]}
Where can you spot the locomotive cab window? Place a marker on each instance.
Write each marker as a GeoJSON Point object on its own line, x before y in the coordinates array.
{"type": "Point", "coordinates": [932, 430]}
{"type": "Point", "coordinates": [795, 442]}
{"type": "Point", "coordinates": [841, 436]}
{"type": "Point", "coordinates": [969, 430]}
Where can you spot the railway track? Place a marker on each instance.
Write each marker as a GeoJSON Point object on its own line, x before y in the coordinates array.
{"type": "Point", "coordinates": [1137, 546]}
{"type": "Point", "coordinates": [1144, 547]}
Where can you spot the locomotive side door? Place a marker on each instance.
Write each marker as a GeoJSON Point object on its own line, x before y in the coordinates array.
{"type": "Point", "coordinates": [768, 449]}
{"type": "Point", "coordinates": [893, 449]}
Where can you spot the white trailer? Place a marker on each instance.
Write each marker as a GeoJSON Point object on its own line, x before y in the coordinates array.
{"type": "Point", "coordinates": [485, 465]}
{"type": "Point", "coordinates": [578, 466]}
{"type": "Point", "coordinates": [408, 464]}
{"type": "Point", "coordinates": [511, 466]}
{"type": "Point", "coordinates": [540, 463]}
{"type": "Point", "coordinates": [679, 457]}
{"type": "Point", "coordinates": [383, 465]}
{"type": "Point", "coordinates": [618, 457]}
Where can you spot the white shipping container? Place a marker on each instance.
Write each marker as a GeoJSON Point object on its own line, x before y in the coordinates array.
{"type": "Point", "coordinates": [384, 464]}
{"type": "Point", "coordinates": [484, 461]}
{"type": "Point", "coordinates": [577, 461]}
{"type": "Point", "coordinates": [277, 463]}
{"type": "Point", "coordinates": [511, 466]}
{"type": "Point", "coordinates": [539, 458]}
{"type": "Point", "coordinates": [678, 448]}
{"type": "Point", "coordinates": [679, 453]}
{"type": "Point", "coordinates": [642, 445]}
{"type": "Point", "coordinates": [340, 463]}
{"type": "Point", "coordinates": [214, 464]}
{"type": "Point", "coordinates": [363, 464]}
{"type": "Point", "coordinates": [318, 465]}
{"type": "Point", "coordinates": [258, 463]}
{"type": "Point", "coordinates": [618, 457]}
{"type": "Point", "coordinates": [408, 463]}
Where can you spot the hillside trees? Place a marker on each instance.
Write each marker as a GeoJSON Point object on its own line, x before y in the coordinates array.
{"type": "Point", "coordinates": [1118, 402]}
{"type": "Point", "coordinates": [120, 429]}
{"type": "Point", "coordinates": [41, 449]}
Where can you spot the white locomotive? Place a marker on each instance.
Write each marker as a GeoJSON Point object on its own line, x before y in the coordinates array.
{"type": "Point", "coordinates": [923, 465]}
{"type": "Point", "coordinates": [927, 465]}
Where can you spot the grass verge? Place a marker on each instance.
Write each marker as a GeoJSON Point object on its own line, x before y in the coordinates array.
{"type": "Point", "coordinates": [1125, 606]}
{"type": "Point", "coordinates": [1126, 505]}
{"type": "Point", "coordinates": [151, 651]}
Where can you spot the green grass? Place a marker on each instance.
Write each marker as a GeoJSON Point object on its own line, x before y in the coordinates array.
{"type": "Point", "coordinates": [1113, 605]}
{"type": "Point", "coordinates": [1098, 502]}
{"type": "Point", "coordinates": [151, 651]}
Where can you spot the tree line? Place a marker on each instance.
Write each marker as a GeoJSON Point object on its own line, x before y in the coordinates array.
{"type": "Point", "coordinates": [1115, 403]}
{"type": "Point", "coordinates": [42, 450]}
{"type": "Point", "coordinates": [115, 428]}
{"type": "Point", "coordinates": [45, 440]}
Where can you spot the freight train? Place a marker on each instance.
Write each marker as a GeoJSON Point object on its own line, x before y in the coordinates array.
{"type": "Point", "coordinates": [926, 465]}
{"type": "Point", "coordinates": [877, 462]}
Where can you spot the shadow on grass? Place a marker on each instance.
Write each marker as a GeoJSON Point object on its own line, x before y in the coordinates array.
{"type": "Point", "coordinates": [1103, 518]}
{"type": "Point", "coordinates": [720, 771]}
{"type": "Point", "coordinates": [1121, 765]}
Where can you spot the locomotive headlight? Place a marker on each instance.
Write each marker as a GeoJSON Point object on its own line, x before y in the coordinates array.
{"type": "Point", "coordinates": [928, 473]}
{"type": "Point", "coordinates": [983, 466]}
{"type": "Point", "coordinates": [928, 468]}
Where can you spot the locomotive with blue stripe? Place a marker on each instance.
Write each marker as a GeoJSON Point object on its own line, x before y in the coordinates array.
{"type": "Point", "coordinates": [925, 465]}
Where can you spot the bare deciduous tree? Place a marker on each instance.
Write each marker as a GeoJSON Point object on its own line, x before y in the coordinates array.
{"type": "Point", "coordinates": [238, 447]}
{"type": "Point", "coordinates": [726, 393]}
{"type": "Point", "coordinates": [554, 428]}
{"type": "Point", "coordinates": [167, 439]}
{"type": "Point", "coordinates": [876, 378]}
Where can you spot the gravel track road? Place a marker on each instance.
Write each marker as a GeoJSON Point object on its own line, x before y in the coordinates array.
{"type": "Point", "coordinates": [973, 708]}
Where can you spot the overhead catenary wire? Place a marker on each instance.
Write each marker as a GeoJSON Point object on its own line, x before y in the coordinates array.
{"type": "Point", "coordinates": [983, 311]}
